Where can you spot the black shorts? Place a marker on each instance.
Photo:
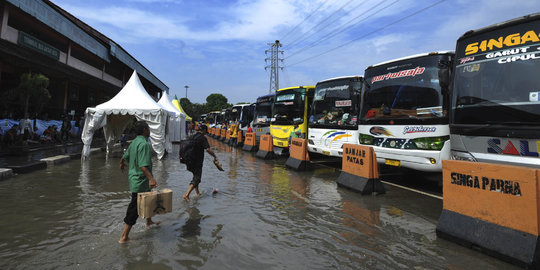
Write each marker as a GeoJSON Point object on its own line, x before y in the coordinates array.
{"type": "Point", "coordinates": [131, 213]}
{"type": "Point", "coordinates": [197, 173]}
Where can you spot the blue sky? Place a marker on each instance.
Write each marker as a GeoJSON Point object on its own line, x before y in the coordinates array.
{"type": "Point", "coordinates": [218, 46]}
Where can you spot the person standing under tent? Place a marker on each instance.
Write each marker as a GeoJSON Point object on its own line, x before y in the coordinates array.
{"type": "Point", "coordinates": [139, 157]}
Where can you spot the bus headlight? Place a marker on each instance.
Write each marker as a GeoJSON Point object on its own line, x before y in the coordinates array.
{"type": "Point", "coordinates": [456, 155]}
{"type": "Point", "coordinates": [430, 143]}
{"type": "Point", "coordinates": [310, 141]}
{"type": "Point", "coordinates": [365, 139]}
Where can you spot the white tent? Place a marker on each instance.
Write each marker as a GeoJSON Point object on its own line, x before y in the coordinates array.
{"type": "Point", "coordinates": [176, 122]}
{"type": "Point", "coordinates": [115, 114]}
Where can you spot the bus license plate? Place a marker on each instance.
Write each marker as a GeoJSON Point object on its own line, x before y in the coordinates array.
{"type": "Point", "coordinates": [326, 153]}
{"type": "Point", "coordinates": [392, 162]}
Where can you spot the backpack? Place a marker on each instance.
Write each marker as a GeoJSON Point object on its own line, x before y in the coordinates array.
{"type": "Point", "coordinates": [187, 149]}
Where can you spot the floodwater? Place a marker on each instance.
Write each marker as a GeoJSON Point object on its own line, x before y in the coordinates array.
{"type": "Point", "coordinates": [263, 217]}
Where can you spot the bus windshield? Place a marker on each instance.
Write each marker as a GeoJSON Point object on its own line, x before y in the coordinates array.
{"type": "Point", "coordinates": [405, 92]}
{"type": "Point", "coordinates": [263, 111]}
{"type": "Point", "coordinates": [500, 86]}
{"type": "Point", "coordinates": [235, 113]}
{"type": "Point", "coordinates": [247, 115]}
{"type": "Point", "coordinates": [289, 107]}
{"type": "Point", "coordinates": [336, 103]}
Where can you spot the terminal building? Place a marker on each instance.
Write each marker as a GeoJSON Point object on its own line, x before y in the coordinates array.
{"type": "Point", "coordinates": [84, 67]}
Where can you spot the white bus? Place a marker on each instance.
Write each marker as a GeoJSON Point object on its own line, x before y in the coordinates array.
{"type": "Point", "coordinates": [334, 115]}
{"type": "Point", "coordinates": [405, 111]}
{"type": "Point", "coordinates": [262, 115]}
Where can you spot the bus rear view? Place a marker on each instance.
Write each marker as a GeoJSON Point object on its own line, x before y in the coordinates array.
{"type": "Point", "coordinates": [404, 111]}
{"type": "Point", "coordinates": [495, 114]}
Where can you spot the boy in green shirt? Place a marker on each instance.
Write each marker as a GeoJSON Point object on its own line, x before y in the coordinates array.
{"type": "Point", "coordinates": [139, 157]}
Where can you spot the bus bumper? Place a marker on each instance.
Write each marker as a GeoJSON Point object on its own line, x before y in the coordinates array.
{"type": "Point", "coordinates": [420, 160]}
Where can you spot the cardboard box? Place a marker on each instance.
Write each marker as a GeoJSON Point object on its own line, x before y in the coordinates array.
{"type": "Point", "coordinates": [154, 202]}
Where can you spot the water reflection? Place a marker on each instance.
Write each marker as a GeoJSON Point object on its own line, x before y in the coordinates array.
{"type": "Point", "coordinates": [191, 228]}
{"type": "Point", "coordinates": [264, 216]}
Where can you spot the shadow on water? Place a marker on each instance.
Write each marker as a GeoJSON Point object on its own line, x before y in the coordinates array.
{"type": "Point", "coordinates": [264, 216]}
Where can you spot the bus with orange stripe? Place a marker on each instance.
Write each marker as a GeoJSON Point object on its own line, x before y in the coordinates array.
{"type": "Point", "coordinates": [334, 115]}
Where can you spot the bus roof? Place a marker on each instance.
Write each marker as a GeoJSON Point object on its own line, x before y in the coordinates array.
{"type": "Point", "coordinates": [266, 96]}
{"type": "Point", "coordinates": [342, 77]}
{"type": "Point", "coordinates": [296, 87]}
{"type": "Point", "coordinates": [242, 105]}
{"type": "Point", "coordinates": [411, 57]}
{"type": "Point", "coordinates": [518, 20]}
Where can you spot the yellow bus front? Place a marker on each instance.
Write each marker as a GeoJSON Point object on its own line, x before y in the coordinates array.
{"type": "Point", "coordinates": [290, 114]}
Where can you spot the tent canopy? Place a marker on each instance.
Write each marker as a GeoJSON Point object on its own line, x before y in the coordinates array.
{"type": "Point", "coordinates": [115, 114]}
{"type": "Point", "coordinates": [176, 104]}
{"type": "Point", "coordinates": [176, 122]}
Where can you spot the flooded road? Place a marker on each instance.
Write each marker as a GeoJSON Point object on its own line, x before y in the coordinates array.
{"type": "Point", "coordinates": [263, 217]}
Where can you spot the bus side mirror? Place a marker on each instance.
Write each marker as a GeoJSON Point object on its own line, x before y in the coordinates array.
{"type": "Point", "coordinates": [444, 75]}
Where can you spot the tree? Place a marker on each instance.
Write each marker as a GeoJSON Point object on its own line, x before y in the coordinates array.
{"type": "Point", "coordinates": [32, 87]}
{"type": "Point", "coordinates": [187, 106]}
{"type": "Point", "coordinates": [216, 102]}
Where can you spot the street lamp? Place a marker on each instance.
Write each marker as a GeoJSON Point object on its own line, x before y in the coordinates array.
{"type": "Point", "coordinates": [186, 90]}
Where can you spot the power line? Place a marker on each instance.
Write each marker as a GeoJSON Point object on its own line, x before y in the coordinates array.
{"type": "Point", "coordinates": [372, 32]}
{"type": "Point", "coordinates": [337, 18]}
{"type": "Point", "coordinates": [341, 29]}
{"type": "Point", "coordinates": [291, 44]}
{"type": "Point", "coordinates": [310, 14]}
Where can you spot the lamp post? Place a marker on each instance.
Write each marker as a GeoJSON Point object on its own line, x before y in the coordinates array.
{"type": "Point", "coordinates": [186, 90]}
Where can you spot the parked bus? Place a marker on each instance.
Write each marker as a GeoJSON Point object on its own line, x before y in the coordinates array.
{"type": "Point", "coordinates": [202, 118]}
{"type": "Point", "coordinates": [213, 118]}
{"type": "Point", "coordinates": [334, 115]}
{"type": "Point", "coordinates": [262, 115]}
{"type": "Point", "coordinates": [241, 117]}
{"type": "Point", "coordinates": [291, 108]}
{"type": "Point", "coordinates": [405, 111]}
{"type": "Point", "coordinates": [243, 114]}
{"type": "Point", "coordinates": [495, 111]}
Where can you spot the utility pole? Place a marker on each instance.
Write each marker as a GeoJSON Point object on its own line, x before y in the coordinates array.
{"type": "Point", "coordinates": [274, 65]}
{"type": "Point", "coordinates": [186, 90]}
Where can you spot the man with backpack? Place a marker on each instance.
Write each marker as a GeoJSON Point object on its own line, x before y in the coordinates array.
{"type": "Point", "coordinates": [194, 158]}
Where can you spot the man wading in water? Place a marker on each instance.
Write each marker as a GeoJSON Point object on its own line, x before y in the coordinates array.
{"type": "Point", "coordinates": [201, 144]}
{"type": "Point", "coordinates": [138, 155]}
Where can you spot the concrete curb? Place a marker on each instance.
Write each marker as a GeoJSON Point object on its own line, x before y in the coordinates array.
{"type": "Point", "coordinates": [11, 170]}
{"type": "Point", "coordinates": [5, 173]}
{"type": "Point", "coordinates": [51, 161]}
{"type": "Point", "coordinates": [28, 167]}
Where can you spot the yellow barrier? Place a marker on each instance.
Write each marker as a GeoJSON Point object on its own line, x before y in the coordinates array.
{"type": "Point", "coordinates": [360, 171]}
{"type": "Point", "coordinates": [227, 136]}
{"type": "Point", "coordinates": [222, 134]}
{"type": "Point", "coordinates": [298, 157]}
{"type": "Point", "coordinates": [494, 208]}
{"type": "Point", "coordinates": [250, 144]}
{"type": "Point", "coordinates": [266, 147]}
{"type": "Point", "coordinates": [239, 139]}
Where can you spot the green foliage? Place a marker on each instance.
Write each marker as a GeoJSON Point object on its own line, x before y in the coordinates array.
{"type": "Point", "coordinates": [32, 89]}
{"type": "Point", "coordinates": [216, 102]}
